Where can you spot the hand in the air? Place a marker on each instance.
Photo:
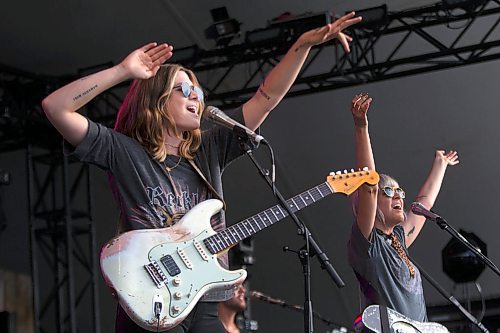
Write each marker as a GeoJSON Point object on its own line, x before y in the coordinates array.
{"type": "Point", "coordinates": [449, 158]}
{"type": "Point", "coordinates": [144, 62]}
{"type": "Point", "coordinates": [359, 108]}
{"type": "Point", "coordinates": [332, 30]}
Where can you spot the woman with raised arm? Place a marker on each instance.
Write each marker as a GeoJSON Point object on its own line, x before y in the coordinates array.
{"type": "Point", "coordinates": [382, 232]}
{"type": "Point", "coordinates": [160, 163]}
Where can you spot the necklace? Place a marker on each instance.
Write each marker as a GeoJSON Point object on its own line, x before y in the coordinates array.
{"type": "Point", "coordinates": [169, 169]}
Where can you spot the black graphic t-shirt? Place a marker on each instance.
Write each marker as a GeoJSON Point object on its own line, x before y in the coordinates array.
{"type": "Point", "coordinates": [148, 196]}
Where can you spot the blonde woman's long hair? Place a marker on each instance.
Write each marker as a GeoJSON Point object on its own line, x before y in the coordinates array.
{"type": "Point", "coordinates": [144, 116]}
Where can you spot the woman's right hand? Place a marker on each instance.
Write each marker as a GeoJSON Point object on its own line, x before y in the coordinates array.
{"type": "Point", "coordinates": [144, 62]}
{"type": "Point", "coordinates": [359, 108]}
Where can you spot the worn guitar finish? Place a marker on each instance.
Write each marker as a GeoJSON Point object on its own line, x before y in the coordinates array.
{"type": "Point", "coordinates": [158, 275]}
{"type": "Point", "coordinates": [397, 323]}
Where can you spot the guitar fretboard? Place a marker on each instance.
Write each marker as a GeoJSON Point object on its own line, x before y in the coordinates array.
{"type": "Point", "coordinates": [241, 230]}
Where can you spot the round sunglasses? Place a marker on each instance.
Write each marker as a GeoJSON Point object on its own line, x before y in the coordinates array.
{"type": "Point", "coordinates": [391, 191]}
{"type": "Point", "coordinates": [186, 90]}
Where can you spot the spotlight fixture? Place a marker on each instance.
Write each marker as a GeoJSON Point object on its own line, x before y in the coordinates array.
{"type": "Point", "coordinates": [4, 177]}
{"type": "Point", "coordinates": [224, 28]}
{"type": "Point", "coordinates": [459, 262]}
{"type": "Point", "coordinates": [295, 25]}
{"type": "Point", "coordinates": [186, 55]}
{"type": "Point", "coordinates": [264, 36]}
{"type": "Point", "coordinates": [467, 5]}
{"type": "Point", "coordinates": [373, 18]}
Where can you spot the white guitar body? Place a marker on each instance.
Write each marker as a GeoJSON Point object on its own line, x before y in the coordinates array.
{"type": "Point", "coordinates": [397, 322]}
{"type": "Point", "coordinates": [167, 270]}
{"type": "Point", "coordinates": [158, 275]}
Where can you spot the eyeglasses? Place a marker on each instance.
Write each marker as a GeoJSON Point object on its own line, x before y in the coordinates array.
{"type": "Point", "coordinates": [186, 90]}
{"type": "Point", "coordinates": [390, 191]}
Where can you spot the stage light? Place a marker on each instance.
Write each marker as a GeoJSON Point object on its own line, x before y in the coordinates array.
{"type": "Point", "coordinates": [467, 5]}
{"type": "Point", "coordinates": [460, 263]}
{"type": "Point", "coordinates": [373, 18]}
{"type": "Point", "coordinates": [262, 36]}
{"type": "Point", "coordinates": [224, 28]}
{"type": "Point", "coordinates": [4, 177]}
{"type": "Point", "coordinates": [186, 55]}
{"type": "Point", "coordinates": [242, 255]}
{"type": "Point", "coordinates": [298, 24]}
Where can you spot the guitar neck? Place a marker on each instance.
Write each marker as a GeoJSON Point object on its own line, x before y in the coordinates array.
{"type": "Point", "coordinates": [246, 228]}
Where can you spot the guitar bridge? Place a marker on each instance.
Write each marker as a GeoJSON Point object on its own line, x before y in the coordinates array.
{"type": "Point", "coordinates": [156, 273]}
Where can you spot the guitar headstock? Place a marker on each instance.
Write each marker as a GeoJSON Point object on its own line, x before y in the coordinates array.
{"type": "Point", "coordinates": [348, 182]}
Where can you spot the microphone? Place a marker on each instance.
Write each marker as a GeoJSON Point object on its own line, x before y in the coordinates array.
{"type": "Point", "coordinates": [419, 209]}
{"type": "Point", "coordinates": [266, 298]}
{"type": "Point", "coordinates": [215, 115]}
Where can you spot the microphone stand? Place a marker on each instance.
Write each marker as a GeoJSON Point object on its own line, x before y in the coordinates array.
{"type": "Point", "coordinates": [450, 297]}
{"type": "Point", "coordinates": [294, 307]}
{"type": "Point", "coordinates": [441, 222]}
{"type": "Point", "coordinates": [304, 254]}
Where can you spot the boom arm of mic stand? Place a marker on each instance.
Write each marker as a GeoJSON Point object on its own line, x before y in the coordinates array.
{"type": "Point", "coordinates": [298, 308]}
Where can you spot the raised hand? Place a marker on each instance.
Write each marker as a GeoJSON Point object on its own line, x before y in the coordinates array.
{"type": "Point", "coordinates": [332, 30]}
{"type": "Point", "coordinates": [144, 62]}
{"type": "Point", "coordinates": [359, 108]}
{"type": "Point", "coordinates": [449, 158]}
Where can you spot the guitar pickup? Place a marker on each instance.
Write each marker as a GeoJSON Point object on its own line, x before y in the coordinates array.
{"type": "Point", "coordinates": [170, 265]}
{"type": "Point", "coordinates": [156, 274]}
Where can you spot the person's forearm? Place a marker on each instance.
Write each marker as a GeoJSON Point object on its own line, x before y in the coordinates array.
{"type": "Point", "coordinates": [430, 190]}
{"type": "Point", "coordinates": [283, 75]}
{"type": "Point", "coordinates": [364, 153]}
{"type": "Point", "coordinates": [76, 94]}
{"type": "Point", "coordinates": [61, 106]}
{"type": "Point", "coordinates": [275, 85]}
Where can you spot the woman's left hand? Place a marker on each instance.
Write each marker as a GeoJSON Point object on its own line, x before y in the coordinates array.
{"type": "Point", "coordinates": [449, 158]}
{"type": "Point", "coordinates": [332, 30]}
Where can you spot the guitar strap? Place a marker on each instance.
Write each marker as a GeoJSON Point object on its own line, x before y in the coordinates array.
{"type": "Point", "coordinates": [384, 319]}
{"type": "Point", "coordinates": [210, 187]}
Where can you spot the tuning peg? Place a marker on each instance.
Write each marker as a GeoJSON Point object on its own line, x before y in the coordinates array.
{"type": "Point", "coordinates": [332, 173]}
{"type": "Point", "coordinates": [352, 170]}
{"type": "Point", "coordinates": [345, 171]}
{"type": "Point", "coordinates": [365, 168]}
{"type": "Point", "coordinates": [338, 172]}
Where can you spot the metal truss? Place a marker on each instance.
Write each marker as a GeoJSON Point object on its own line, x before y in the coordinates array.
{"type": "Point", "coordinates": [408, 42]}
{"type": "Point", "coordinates": [63, 247]}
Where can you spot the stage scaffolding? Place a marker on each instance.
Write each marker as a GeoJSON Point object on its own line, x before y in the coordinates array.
{"type": "Point", "coordinates": [63, 249]}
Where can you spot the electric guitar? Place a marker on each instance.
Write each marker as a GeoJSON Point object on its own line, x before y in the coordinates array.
{"type": "Point", "coordinates": [397, 323]}
{"type": "Point", "coordinates": [158, 275]}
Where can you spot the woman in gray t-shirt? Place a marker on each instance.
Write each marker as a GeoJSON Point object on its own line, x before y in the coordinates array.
{"type": "Point", "coordinates": [383, 231]}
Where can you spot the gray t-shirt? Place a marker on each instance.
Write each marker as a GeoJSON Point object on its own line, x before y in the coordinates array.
{"type": "Point", "coordinates": [383, 276]}
{"type": "Point", "coordinates": [145, 193]}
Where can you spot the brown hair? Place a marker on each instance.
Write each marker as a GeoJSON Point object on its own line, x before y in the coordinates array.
{"type": "Point", "coordinates": [144, 116]}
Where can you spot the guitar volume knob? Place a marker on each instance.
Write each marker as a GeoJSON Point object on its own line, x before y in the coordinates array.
{"type": "Point", "coordinates": [177, 295]}
{"type": "Point", "coordinates": [176, 309]}
{"type": "Point", "coordinates": [176, 281]}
